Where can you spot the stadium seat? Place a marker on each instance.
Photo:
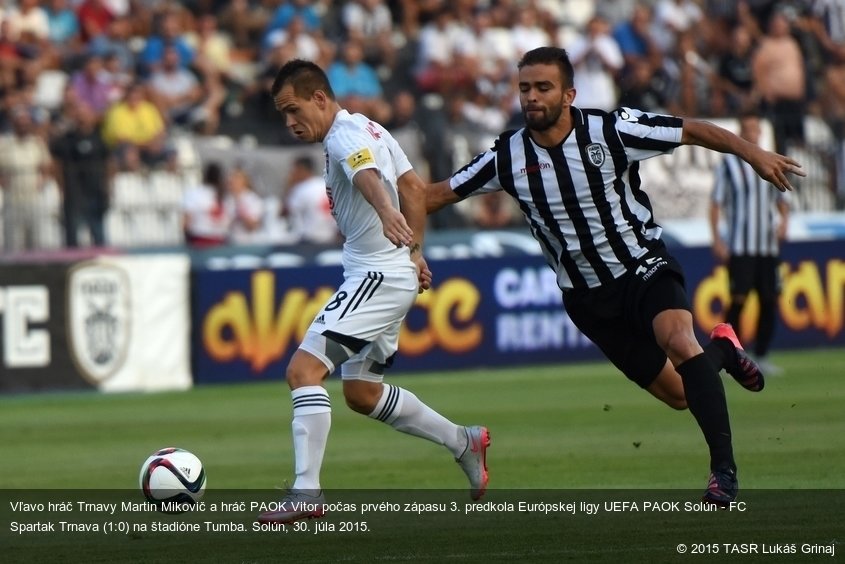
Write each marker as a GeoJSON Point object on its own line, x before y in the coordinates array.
{"type": "Point", "coordinates": [116, 228]}
{"type": "Point", "coordinates": [50, 234]}
{"type": "Point", "coordinates": [170, 226]}
{"type": "Point", "coordinates": [165, 189]}
{"type": "Point", "coordinates": [129, 191]}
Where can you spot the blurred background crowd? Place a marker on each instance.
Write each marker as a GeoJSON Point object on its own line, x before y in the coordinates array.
{"type": "Point", "coordinates": [144, 122]}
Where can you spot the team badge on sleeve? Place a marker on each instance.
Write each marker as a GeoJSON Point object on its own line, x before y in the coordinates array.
{"type": "Point", "coordinates": [359, 159]}
{"type": "Point", "coordinates": [595, 153]}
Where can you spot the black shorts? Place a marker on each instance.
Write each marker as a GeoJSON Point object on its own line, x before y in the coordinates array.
{"type": "Point", "coordinates": [618, 316]}
{"type": "Point", "coordinates": [748, 273]}
{"type": "Point", "coordinates": [787, 117]}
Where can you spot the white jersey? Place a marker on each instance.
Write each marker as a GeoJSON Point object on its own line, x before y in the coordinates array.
{"type": "Point", "coordinates": [355, 143]}
{"type": "Point", "coordinates": [207, 217]}
{"type": "Point", "coordinates": [309, 213]}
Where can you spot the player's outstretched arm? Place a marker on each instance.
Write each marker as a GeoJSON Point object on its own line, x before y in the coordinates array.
{"type": "Point", "coordinates": [439, 195]}
{"type": "Point", "coordinates": [412, 205]}
{"type": "Point", "coordinates": [772, 167]}
{"type": "Point", "coordinates": [394, 225]}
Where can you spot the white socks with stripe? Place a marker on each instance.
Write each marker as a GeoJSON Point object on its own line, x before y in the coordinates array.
{"type": "Point", "coordinates": [312, 419]}
{"type": "Point", "coordinates": [403, 411]}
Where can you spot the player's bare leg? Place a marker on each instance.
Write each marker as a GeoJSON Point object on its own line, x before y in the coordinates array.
{"type": "Point", "coordinates": [669, 388]}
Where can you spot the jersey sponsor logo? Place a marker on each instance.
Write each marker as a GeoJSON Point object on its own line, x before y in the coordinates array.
{"type": "Point", "coordinates": [595, 154]}
{"type": "Point", "coordinates": [359, 159]}
{"type": "Point", "coordinates": [330, 200]}
{"type": "Point", "coordinates": [98, 319]}
{"type": "Point", "coordinates": [535, 168]}
{"type": "Point", "coordinates": [371, 129]}
{"type": "Point", "coordinates": [652, 265]}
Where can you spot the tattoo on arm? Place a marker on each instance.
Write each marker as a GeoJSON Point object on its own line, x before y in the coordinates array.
{"type": "Point", "coordinates": [415, 248]}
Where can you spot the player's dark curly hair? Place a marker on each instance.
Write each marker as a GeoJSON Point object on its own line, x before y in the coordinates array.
{"type": "Point", "coordinates": [306, 78]}
{"type": "Point", "coordinates": [550, 56]}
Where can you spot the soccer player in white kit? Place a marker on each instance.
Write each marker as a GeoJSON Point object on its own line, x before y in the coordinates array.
{"type": "Point", "coordinates": [379, 204]}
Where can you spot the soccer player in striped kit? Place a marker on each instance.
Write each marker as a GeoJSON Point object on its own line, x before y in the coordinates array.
{"type": "Point", "coordinates": [379, 204]}
{"type": "Point", "coordinates": [575, 174]}
{"type": "Point", "coordinates": [756, 217]}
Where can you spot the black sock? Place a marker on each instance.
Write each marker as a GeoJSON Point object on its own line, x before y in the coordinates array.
{"type": "Point", "coordinates": [706, 401]}
{"type": "Point", "coordinates": [732, 315]}
{"type": "Point", "coordinates": [765, 326]}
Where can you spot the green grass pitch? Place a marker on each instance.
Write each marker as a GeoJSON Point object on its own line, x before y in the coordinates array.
{"type": "Point", "coordinates": [556, 431]}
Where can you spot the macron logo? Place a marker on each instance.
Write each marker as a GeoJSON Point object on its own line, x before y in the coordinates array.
{"type": "Point", "coordinates": [535, 168]}
{"type": "Point", "coordinates": [654, 264]}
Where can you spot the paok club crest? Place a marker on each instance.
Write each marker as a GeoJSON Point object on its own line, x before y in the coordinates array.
{"type": "Point", "coordinates": [98, 319]}
{"type": "Point", "coordinates": [595, 154]}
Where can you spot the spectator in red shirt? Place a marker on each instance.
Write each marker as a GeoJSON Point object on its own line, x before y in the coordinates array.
{"type": "Point", "coordinates": [94, 17]}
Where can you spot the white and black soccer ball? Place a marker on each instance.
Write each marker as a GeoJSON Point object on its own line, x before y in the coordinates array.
{"type": "Point", "coordinates": [173, 475]}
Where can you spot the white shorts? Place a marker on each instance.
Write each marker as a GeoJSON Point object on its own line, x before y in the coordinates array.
{"type": "Point", "coordinates": [359, 326]}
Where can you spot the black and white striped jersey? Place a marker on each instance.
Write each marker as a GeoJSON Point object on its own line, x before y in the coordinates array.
{"type": "Point", "coordinates": [582, 198]}
{"type": "Point", "coordinates": [832, 15]}
{"type": "Point", "coordinates": [750, 208]}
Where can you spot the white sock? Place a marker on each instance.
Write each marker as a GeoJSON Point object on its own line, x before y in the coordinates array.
{"type": "Point", "coordinates": [403, 411]}
{"type": "Point", "coordinates": [312, 419]}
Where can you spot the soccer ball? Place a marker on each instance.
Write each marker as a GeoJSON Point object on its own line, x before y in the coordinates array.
{"type": "Point", "coordinates": [172, 476]}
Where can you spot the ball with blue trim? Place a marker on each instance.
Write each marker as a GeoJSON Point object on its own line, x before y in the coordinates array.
{"type": "Point", "coordinates": [173, 477]}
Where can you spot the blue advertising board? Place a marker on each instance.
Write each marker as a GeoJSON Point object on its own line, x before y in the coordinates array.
{"type": "Point", "coordinates": [811, 304]}
{"type": "Point", "coordinates": [494, 311]}
{"type": "Point", "coordinates": [480, 312]}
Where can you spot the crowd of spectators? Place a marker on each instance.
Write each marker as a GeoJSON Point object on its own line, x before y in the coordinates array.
{"type": "Point", "coordinates": [142, 69]}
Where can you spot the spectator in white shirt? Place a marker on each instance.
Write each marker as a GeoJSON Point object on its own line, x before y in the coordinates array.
{"type": "Point", "coordinates": [597, 60]}
{"type": "Point", "coordinates": [175, 90]}
{"type": "Point", "coordinates": [246, 208]}
{"type": "Point", "coordinates": [370, 22]}
{"type": "Point", "coordinates": [204, 217]}
{"type": "Point", "coordinates": [672, 18]}
{"type": "Point", "coordinates": [307, 205]}
{"type": "Point", "coordinates": [441, 58]}
{"type": "Point", "coordinates": [527, 33]}
{"type": "Point", "coordinates": [30, 18]}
